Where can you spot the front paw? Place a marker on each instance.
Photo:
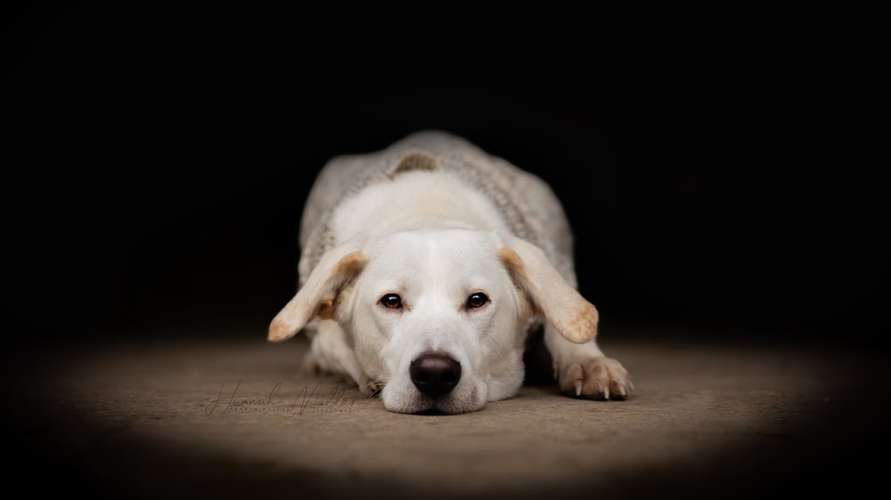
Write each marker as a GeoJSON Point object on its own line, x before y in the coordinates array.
{"type": "Point", "coordinates": [371, 388]}
{"type": "Point", "coordinates": [599, 378]}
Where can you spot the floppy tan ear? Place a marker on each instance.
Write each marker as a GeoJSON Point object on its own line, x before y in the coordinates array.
{"type": "Point", "coordinates": [317, 295]}
{"type": "Point", "coordinates": [571, 315]}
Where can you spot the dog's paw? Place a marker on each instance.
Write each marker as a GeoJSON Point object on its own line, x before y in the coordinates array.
{"type": "Point", "coordinates": [599, 378]}
{"type": "Point", "coordinates": [371, 388]}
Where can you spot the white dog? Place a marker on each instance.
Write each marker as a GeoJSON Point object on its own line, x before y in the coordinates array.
{"type": "Point", "coordinates": [424, 267]}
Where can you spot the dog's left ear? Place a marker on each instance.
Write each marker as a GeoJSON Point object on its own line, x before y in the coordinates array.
{"type": "Point", "coordinates": [317, 296]}
{"type": "Point", "coordinates": [562, 306]}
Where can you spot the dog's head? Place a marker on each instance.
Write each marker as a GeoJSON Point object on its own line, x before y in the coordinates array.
{"type": "Point", "coordinates": [439, 316]}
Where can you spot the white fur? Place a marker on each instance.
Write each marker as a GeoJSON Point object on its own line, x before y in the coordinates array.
{"type": "Point", "coordinates": [434, 240]}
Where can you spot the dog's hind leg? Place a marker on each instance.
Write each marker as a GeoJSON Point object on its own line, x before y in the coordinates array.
{"type": "Point", "coordinates": [329, 352]}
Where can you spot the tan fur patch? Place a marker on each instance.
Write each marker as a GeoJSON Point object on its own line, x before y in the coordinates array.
{"type": "Point", "coordinates": [512, 261]}
{"type": "Point", "coordinates": [278, 330]}
{"type": "Point", "coordinates": [351, 263]}
{"type": "Point", "coordinates": [326, 308]}
{"type": "Point", "coordinates": [414, 161]}
{"type": "Point", "coordinates": [584, 323]}
{"type": "Point", "coordinates": [514, 266]}
{"type": "Point", "coordinates": [348, 266]}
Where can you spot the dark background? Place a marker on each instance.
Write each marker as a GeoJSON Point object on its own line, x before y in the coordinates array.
{"type": "Point", "coordinates": [155, 165]}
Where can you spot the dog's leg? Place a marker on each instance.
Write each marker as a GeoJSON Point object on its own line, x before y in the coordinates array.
{"type": "Point", "coordinates": [582, 370]}
{"type": "Point", "coordinates": [330, 353]}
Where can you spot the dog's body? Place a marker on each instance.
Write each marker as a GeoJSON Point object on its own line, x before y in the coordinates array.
{"type": "Point", "coordinates": [423, 268]}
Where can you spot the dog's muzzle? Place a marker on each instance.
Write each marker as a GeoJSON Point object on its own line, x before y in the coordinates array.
{"type": "Point", "coordinates": [435, 373]}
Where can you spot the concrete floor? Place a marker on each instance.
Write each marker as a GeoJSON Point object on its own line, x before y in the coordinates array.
{"type": "Point", "coordinates": [238, 419]}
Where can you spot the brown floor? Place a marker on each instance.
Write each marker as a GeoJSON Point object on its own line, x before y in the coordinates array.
{"type": "Point", "coordinates": [238, 419]}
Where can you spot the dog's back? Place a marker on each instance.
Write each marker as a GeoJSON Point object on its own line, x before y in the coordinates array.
{"type": "Point", "coordinates": [526, 204]}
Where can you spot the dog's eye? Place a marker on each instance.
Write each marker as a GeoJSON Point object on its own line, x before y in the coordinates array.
{"type": "Point", "coordinates": [391, 301]}
{"type": "Point", "coordinates": [477, 300]}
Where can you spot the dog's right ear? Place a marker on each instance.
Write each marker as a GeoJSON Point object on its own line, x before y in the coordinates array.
{"type": "Point", "coordinates": [571, 315]}
{"type": "Point", "coordinates": [319, 293]}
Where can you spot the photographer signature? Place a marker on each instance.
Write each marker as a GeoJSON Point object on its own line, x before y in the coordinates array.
{"type": "Point", "coordinates": [306, 399]}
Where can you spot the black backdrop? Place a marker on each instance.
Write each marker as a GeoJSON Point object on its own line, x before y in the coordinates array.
{"type": "Point", "coordinates": [155, 166]}
{"type": "Point", "coordinates": [155, 162]}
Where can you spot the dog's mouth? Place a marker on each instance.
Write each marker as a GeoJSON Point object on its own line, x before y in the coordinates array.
{"type": "Point", "coordinates": [464, 401]}
{"type": "Point", "coordinates": [435, 383]}
{"type": "Point", "coordinates": [413, 402]}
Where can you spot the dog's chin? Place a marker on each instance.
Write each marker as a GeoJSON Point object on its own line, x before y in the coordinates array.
{"type": "Point", "coordinates": [466, 398]}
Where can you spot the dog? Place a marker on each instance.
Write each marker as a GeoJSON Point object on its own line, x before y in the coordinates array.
{"type": "Point", "coordinates": [423, 269]}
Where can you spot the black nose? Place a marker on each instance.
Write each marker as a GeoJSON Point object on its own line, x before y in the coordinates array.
{"type": "Point", "coordinates": [435, 373]}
